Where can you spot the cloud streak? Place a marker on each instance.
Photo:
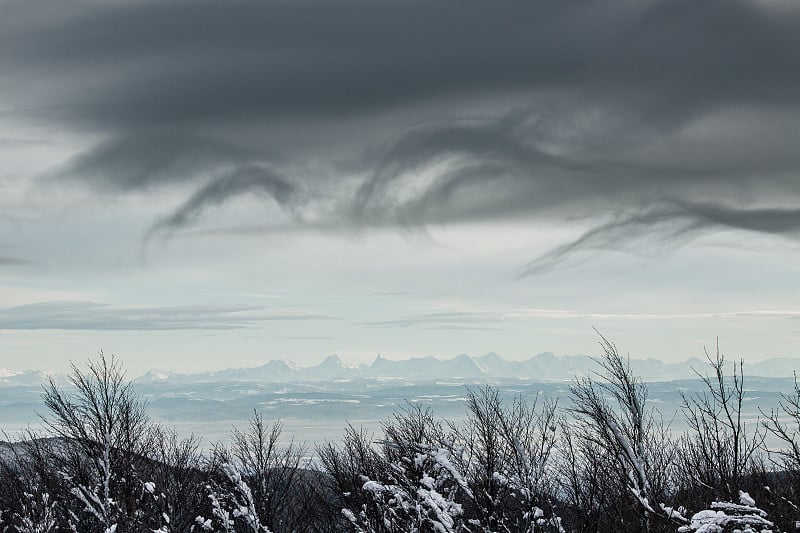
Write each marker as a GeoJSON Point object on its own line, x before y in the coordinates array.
{"type": "Point", "coordinates": [252, 179]}
{"type": "Point", "coordinates": [81, 315]}
{"type": "Point", "coordinates": [12, 261]}
{"type": "Point", "coordinates": [494, 319]}
{"type": "Point", "coordinates": [669, 225]}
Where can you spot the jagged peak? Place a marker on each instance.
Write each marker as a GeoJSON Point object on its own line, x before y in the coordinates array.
{"type": "Point", "coordinates": [333, 359]}
{"type": "Point", "coordinates": [281, 362]}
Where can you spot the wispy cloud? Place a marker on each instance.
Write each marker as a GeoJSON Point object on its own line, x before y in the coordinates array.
{"type": "Point", "coordinates": [555, 314]}
{"type": "Point", "coordinates": [669, 225]}
{"type": "Point", "coordinates": [12, 142]}
{"type": "Point", "coordinates": [390, 293]}
{"type": "Point", "coordinates": [81, 315]}
{"type": "Point", "coordinates": [305, 337]}
{"type": "Point", "coordinates": [492, 319]}
{"type": "Point", "coordinates": [251, 179]}
{"type": "Point", "coordinates": [10, 261]}
{"type": "Point", "coordinates": [441, 320]}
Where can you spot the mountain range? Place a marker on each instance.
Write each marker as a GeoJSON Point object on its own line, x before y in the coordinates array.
{"type": "Point", "coordinates": [542, 367]}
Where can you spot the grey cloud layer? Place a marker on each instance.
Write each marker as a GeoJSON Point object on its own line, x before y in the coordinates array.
{"type": "Point", "coordinates": [158, 64]}
{"type": "Point", "coordinates": [140, 161]}
{"type": "Point", "coordinates": [663, 119]}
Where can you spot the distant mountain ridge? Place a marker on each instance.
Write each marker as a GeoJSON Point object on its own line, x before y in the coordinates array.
{"type": "Point", "coordinates": [25, 377]}
{"type": "Point", "coordinates": [545, 366]}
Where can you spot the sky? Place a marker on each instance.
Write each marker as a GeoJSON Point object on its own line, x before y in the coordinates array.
{"type": "Point", "coordinates": [200, 185]}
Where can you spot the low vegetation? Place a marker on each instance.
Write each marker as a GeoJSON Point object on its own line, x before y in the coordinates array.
{"type": "Point", "coordinates": [600, 461]}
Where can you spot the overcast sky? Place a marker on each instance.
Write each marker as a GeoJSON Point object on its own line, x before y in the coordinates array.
{"type": "Point", "coordinates": [207, 184]}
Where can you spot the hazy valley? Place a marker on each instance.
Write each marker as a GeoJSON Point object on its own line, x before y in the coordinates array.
{"type": "Point", "coordinates": [316, 403]}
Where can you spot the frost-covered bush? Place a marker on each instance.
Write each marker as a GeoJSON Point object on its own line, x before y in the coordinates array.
{"type": "Point", "coordinates": [625, 441]}
{"type": "Point", "coordinates": [405, 482]}
{"type": "Point", "coordinates": [104, 440]}
{"type": "Point", "coordinates": [232, 506]}
{"type": "Point", "coordinates": [487, 474]}
{"type": "Point", "coordinates": [729, 517]}
{"type": "Point", "coordinates": [422, 494]}
{"type": "Point", "coordinates": [506, 454]}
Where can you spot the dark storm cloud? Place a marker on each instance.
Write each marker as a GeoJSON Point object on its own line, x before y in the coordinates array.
{"type": "Point", "coordinates": [154, 64]}
{"type": "Point", "coordinates": [667, 119]}
{"type": "Point", "coordinates": [482, 153]}
{"type": "Point", "coordinates": [144, 160]}
{"type": "Point", "coordinates": [133, 64]}
{"type": "Point", "coordinates": [78, 315]}
{"type": "Point", "coordinates": [497, 168]}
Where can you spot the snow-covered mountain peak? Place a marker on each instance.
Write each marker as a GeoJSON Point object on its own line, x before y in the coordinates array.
{"type": "Point", "coordinates": [5, 373]}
